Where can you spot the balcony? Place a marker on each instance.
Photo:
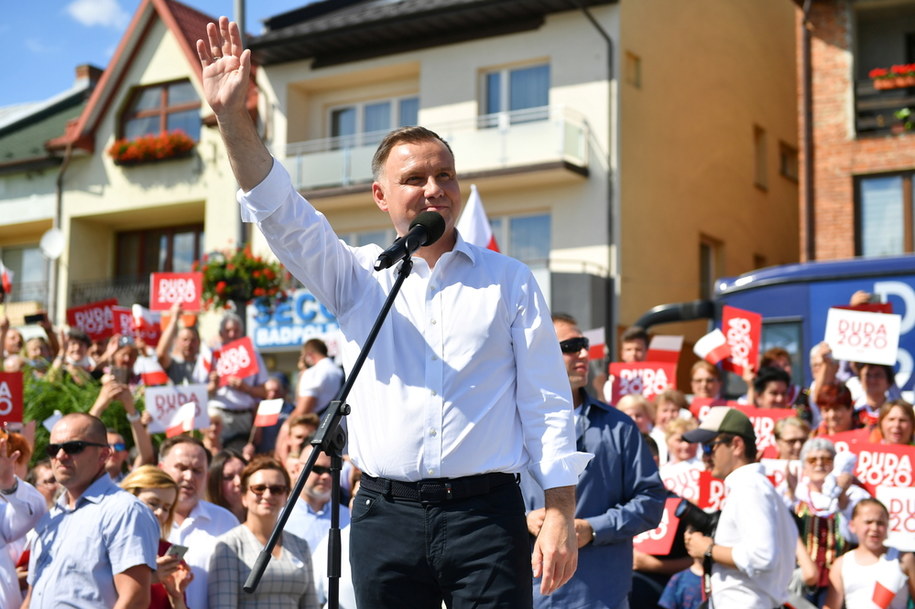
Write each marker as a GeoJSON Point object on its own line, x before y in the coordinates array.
{"type": "Point", "coordinates": [506, 141]}
{"type": "Point", "coordinates": [127, 290]}
{"type": "Point", "coordinates": [875, 109]}
{"type": "Point", "coordinates": [29, 291]}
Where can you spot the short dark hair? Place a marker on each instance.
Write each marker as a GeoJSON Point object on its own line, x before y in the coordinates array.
{"type": "Point", "coordinates": [315, 344]}
{"type": "Point", "coordinates": [214, 480]}
{"type": "Point", "coordinates": [174, 441]}
{"type": "Point", "coordinates": [79, 336]}
{"type": "Point", "coordinates": [749, 450]}
{"type": "Point", "coordinates": [564, 318]}
{"type": "Point", "coordinates": [634, 333]}
{"type": "Point", "coordinates": [769, 374]}
{"type": "Point", "coordinates": [403, 135]}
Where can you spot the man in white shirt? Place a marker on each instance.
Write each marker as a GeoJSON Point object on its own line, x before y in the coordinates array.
{"type": "Point", "coordinates": [752, 552]}
{"type": "Point", "coordinates": [320, 381]}
{"type": "Point", "coordinates": [463, 390]}
{"type": "Point", "coordinates": [197, 522]}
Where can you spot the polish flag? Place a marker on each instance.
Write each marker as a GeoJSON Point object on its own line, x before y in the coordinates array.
{"type": "Point", "coordinates": [6, 279]}
{"type": "Point", "coordinates": [147, 324]}
{"type": "Point", "coordinates": [664, 348]}
{"type": "Point", "coordinates": [597, 350]}
{"type": "Point", "coordinates": [474, 225]}
{"type": "Point", "coordinates": [713, 347]}
{"type": "Point", "coordinates": [206, 361]}
{"type": "Point", "coordinates": [182, 421]}
{"type": "Point", "coordinates": [150, 371]}
{"type": "Point", "coordinates": [268, 412]}
{"type": "Point", "coordinates": [882, 596]}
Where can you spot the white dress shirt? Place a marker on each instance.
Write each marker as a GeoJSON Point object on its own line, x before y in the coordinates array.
{"type": "Point", "coordinates": [466, 376]}
{"type": "Point", "coordinates": [198, 532]}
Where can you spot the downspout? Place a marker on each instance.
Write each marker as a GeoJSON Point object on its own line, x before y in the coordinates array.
{"type": "Point", "coordinates": [807, 100]}
{"type": "Point", "coordinates": [610, 314]}
{"type": "Point", "coordinates": [239, 7]}
{"type": "Point", "coordinates": [58, 214]}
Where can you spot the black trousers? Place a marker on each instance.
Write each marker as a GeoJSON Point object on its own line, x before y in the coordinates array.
{"type": "Point", "coordinates": [472, 552]}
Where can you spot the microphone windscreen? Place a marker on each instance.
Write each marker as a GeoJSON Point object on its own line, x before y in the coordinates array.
{"type": "Point", "coordinates": [434, 224]}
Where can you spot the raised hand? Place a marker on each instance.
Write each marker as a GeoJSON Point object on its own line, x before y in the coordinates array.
{"type": "Point", "coordinates": [226, 67]}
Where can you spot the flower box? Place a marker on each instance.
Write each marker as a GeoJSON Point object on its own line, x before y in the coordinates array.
{"type": "Point", "coordinates": [895, 77]}
{"type": "Point", "coordinates": [151, 148]}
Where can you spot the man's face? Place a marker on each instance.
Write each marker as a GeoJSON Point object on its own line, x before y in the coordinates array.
{"type": "Point", "coordinates": [274, 389]}
{"type": "Point", "coordinates": [186, 463]}
{"type": "Point", "coordinates": [704, 384]}
{"type": "Point", "coordinates": [230, 332]}
{"type": "Point", "coordinates": [721, 459]}
{"type": "Point", "coordinates": [297, 435]}
{"type": "Point", "coordinates": [577, 362]}
{"type": "Point", "coordinates": [187, 344]}
{"type": "Point", "coordinates": [416, 178]}
{"type": "Point", "coordinates": [318, 485]}
{"type": "Point", "coordinates": [77, 471]}
{"type": "Point", "coordinates": [76, 350]}
{"type": "Point", "coordinates": [874, 379]}
{"type": "Point", "coordinates": [775, 395]}
{"type": "Point", "coordinates": [790, 442]}
{"type": "Point", "coordinates": [633, 351]}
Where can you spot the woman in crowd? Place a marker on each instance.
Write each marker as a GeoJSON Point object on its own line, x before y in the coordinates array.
{"type": "Point", "coordinates": [875, 381]}
{"type": "Point", "coordinates": [705, 380]}
{"type": "Point", "coordinates": [224, 483]}
{"type": "Point", "coordinates": [680, 450]}
{"type": "Point", "coordinates": [790, 435]}
{"type": "Point", "coordinates": [823, 500]}
{"type": "Point", "coordinates": [638, 409]}
{"type": "Point", "coordinates": [667, 406]}
{"type": "Point", "coordinates": [895, 424]}
{"type": "Point", "coordinates": [159, 492]}
{"type": "Point", "coordinates": [836, 411]}
{"type": "Point", "coordinates": [288, 580]}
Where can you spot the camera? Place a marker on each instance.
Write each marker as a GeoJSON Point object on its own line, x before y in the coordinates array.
{"type": "Point", "coordinates": [700, 520]}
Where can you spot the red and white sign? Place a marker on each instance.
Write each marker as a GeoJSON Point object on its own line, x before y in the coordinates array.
{"type": "Point", "coordinates": [743, 330]}
{"type": "Point", "coordinates": [763, 420]}
{"type": "Point", "coordinates": [858, 336]}
{"type": "Point", "coordinates": [10, 397]}
{"type": "Point", "coordinates": [682, 478]}
{"type": "Point", "coordinates": [713, 347]}
{"type": "Point", "coordinates": [664, 348]}
{"type": "Point", "coordinates": [900, 502]}
{"type": "Point", "coordinates": [165, 289]}
{"type": "Point", "coordinates": [847, 440]}
{"type": "Point", "coordinates": [645, 378]}
{"type": "Point", "coordinates": [268, 412]}
{"type": "Point", "coordinates": [884, 465]}
{"type": "Point", "coordinates": [146, 324]}
{"type": "Point", "coordinates": [777, 470]}
{"type": "Point", "coordinates": [236, 359]}
{"type": "Point", "coordinates": [701, 406]}
{"type": "Point", "coordinates": [95, 319]}
{"type": "Point", "coordinates": [122, 321]}
{"type": "Point", "coordinates": [712, 493]}
{"type": "Point", "coordinates": [182, 421]}
{"type": "Point", "coordinates": [658, 541]}
{"type": "Point", "coordinates": [164, 401]}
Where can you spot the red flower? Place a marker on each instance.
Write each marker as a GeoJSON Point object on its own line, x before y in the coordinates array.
{"type": "Point", "coordinates": [259, 291]}
{"type": "Point", "coordinates": [220, 287]}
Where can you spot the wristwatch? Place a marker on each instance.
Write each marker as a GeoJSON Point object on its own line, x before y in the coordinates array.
{"type": "Point", "coordinates": [708, 552]}
{"type": "Point", "coordinates": [11, 490]}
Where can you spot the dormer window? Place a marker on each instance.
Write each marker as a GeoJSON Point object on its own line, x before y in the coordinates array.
{"type": "Point", "coordinates": [162, 107]}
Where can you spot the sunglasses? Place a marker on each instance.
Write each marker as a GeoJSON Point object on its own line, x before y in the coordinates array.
{"type": "Point", "coordinates": [320, 470]}
{"type": "Point", "coordinates": [71, 448]}
{"type": "Point", "coordinates": [275, 489]}
{"type": "Point", "coordinates": [574, 345]}
{"type": "Point", "coordinates": [815, 460]}
{"type": "Point", "coordinates": [118, 446]}
{"type": "Point", "coordinates": [709, 448]}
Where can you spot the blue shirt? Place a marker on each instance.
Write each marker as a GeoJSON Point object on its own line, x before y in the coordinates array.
{"type": "Point", "coordinates": [683, 591]}
{"type": "Point", "coordinates": [78, 551]}
{"type": "Point", "coordinates": [620, 494]}
{"type": "Point", "coordinates": [310, 525]}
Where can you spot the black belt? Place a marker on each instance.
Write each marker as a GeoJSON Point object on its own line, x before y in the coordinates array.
{"type": "Point", "coordinates": [437, 490]}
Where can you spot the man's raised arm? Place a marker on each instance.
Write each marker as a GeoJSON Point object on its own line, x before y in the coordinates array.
{"type": "Point", "coordinates": [226, 77]}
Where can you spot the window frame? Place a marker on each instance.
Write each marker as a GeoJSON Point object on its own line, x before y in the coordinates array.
{"type": "Point", "coordinates": [358, 138]}
{"type": "Point", "coordinates": [146, 234]}
{"type": "Point", "coordinates": [504, 115]}
{"type": "Point", "coordinates": [162, 111]}
{"type": "Point", "coordinates": [908, 210]}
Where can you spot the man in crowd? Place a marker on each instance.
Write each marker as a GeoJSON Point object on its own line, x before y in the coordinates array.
{"type": "Point", "coordinates": [450, 406]}
{"type": "Point", "coordinates": [619, 495]}
{"type": "Point", "coordinates": [197, 522]}
{"type": "Point", "coordinates": [97, 546]}
{"type": "Point", "coordinates": [751, 555]}
{"type": "Point", "coordinates": [178, 349]}
{"type": "Point", "coordinates": [771, 388]}
{"type": "Point", "coordinates": [634, 345]}
{"type": "Point", "coordinates": [310, 519]}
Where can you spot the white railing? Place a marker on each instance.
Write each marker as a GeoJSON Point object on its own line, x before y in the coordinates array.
{"type": "Point", "coordinates": [484, 143]}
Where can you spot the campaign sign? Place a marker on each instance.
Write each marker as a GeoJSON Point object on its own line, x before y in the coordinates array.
{"type": "Point", "coordinates": [858, 336]}
{"type": "Point", "coordinates": [847, 440]}
{"type": "Point", "coordinates": [884, 465]}
{"type": "Point", "coordinates": [95, 319]}
{"type": "Point", "coordinates": [658, 541]}
{"type": "Point", "coordinates": [236, 359]}
{"type": "Point", "coordinates": [10, 397]}
{"type": "Point", "coordinates": [742, 330]}
{"type": "Point", "coordinates": [163, 402]}
{"type": "Point", "coordinates": [165, 289]}
{"type": "Point", "coordinates": [900, 502]}
{"type": "Point", "coordinates": [778, 470]}
{"type": "Point", "coordinates": [711, 492]}
{"type": "Point", "coordinates": [700, 406]}
{"type": "Point", "coordinates": [291, 322]}
{"type": "Point", "coordinates": [682, 479]}
{"type": "Point", "coordinates": [122, 321]}
{"type": "Point", "coordinates": [645, 378]}
{"type": "Point", "coordinates": [763, 420]}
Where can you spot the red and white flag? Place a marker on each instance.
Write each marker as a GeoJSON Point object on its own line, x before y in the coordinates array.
{"type": "Point", "coordinates": [150, 371]}
{"type": "Point", "coordinates": [597, 350]}
{"type": "Point", "coordinates": [474, 225]}
{"type": "Point", "coordinates": [664, 348]}
{"type": "Point", "coordinates": [713, 347]}
{"type": "Point", "coordinates": [268, 412]}
{"type": "Point", "coordinates": [6, 278]}
{"type": "Point", "coordinates": [182, 421]}
{"type": "Point", "coordinates": [146, 323]}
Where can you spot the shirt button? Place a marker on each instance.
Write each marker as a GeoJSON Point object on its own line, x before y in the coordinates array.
{"type": "Point", "coordinates": [433, 322]}
{"type": "Point", "coordinates": [433, 392]}
{"type": "Point", "coordinates": [434, 358]}
{"type": "Point", "coordinates": [433, 433]}
{"type": "Point", "coordinates": [430, 471]}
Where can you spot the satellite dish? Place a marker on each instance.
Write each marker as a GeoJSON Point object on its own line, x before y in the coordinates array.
{"type": "Point", "coordinates": [52, 243]}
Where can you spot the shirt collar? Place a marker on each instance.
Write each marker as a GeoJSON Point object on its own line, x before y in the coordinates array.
{"type": "Point", "coordinates": [96, 491]}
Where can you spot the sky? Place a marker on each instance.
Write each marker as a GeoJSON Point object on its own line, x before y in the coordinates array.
{"type": "Point", "coordinates": [42, 41]}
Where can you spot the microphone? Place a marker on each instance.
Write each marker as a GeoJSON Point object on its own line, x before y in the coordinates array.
{"type": "Point", "coordinates": [426, 229]}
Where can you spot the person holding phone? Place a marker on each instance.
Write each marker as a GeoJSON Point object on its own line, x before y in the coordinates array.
{"type": "Point", "coordinates": [159, 492]}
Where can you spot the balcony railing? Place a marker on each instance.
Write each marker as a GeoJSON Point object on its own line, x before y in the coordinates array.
{"type": "Point", "coordinates": [29, 291]}
{"type": "Point", "coordinates": [127, 290]}
{"type": "Point", "coordinates": [486, 143]}
{"type": "Point", "coordinates": [875, 110]}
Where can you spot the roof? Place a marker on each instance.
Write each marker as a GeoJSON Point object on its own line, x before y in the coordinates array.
{"type": "Point", "coordinates": [338, 31]}
{"type": "Point", "coordinates": [187, 24]}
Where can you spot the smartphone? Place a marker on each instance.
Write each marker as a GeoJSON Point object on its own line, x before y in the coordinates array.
{"type": "Point", "coordinates": [875, 299]}
{"type": "Point", "coordinates": [121, 374]}
{"type": "Point", "coordinates": [34, 318]}
{"type": "Point", "coordinates": [176, 550]}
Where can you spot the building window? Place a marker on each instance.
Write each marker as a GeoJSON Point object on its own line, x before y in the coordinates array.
{"type": "Point", "coordinates": [787, 161]}
{"type": "Point", "coordinates": [30, 273]}
{"type": "Point", "coordinates": [366, 124]}
{"type": "Point", "coordinates": [632, 70]}
{"type": "Point", "coordinates": [759, 157]}
{"type": "Point", "coordinates": [516, 95]}
{"type": "Point", "coordinates": [163, 107]}
{"type": "Point", "coordinates": [709, 266]}
{"type": "Point", "coordinates": [884, 215]}
{"type": "Point", "coordinates": [526, 238]}
{"type": "Point", "coordinates": [169, 249]}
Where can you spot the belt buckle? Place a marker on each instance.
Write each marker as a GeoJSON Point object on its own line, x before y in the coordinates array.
{"type": "Point", "coordinates": [433, 492]}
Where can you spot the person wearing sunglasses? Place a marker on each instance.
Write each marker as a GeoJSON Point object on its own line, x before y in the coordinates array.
{"type": "Point", "coordinates": [310, 519]}
{"type": "Point", "coordinates": [619, 495]}
{"type": "Point", "coordinates": [97, 545]}
{"type": "Point", "coordinates": [752, 552]}
{"type": "Point", "coordinates": [288, 580]}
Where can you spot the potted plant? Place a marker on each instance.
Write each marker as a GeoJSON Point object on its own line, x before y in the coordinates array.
{"type": "Point", "coordinates": [151, 148]}
{"type": "Point", "coordinates": [894, 77]}
{"type": "Point", "coordinates": [906, 121]}
{"type": "Point", "coordinates": [235, 277]}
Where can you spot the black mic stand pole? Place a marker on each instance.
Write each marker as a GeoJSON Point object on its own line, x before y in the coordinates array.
{"type": "Point", "coordinates": [330, 438]}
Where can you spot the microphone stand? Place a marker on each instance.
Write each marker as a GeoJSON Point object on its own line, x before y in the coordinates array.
{"type": "Point", "coordinates": [330, 439]}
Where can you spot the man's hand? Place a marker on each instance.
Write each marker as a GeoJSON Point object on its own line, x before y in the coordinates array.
{"type": "Point", "coordinates": [535, 521]}
{"type": "Point", "coordinates": [7, 464]}
{"type": "Point", "coordinates": [584, 533]}
{"type": "Point", "coordinates": [555, 556]}
{"type": "Point", "coordinates": [226, 67]}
